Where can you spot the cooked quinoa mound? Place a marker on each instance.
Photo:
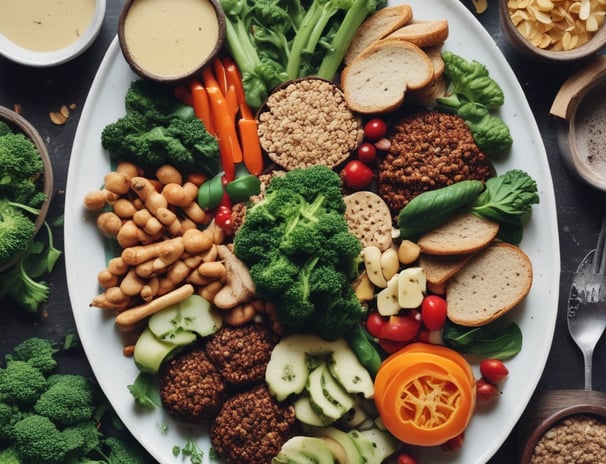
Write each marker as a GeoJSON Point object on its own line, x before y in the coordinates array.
{"type": "Point", "coordinates": [191, 388]}
{"type": "Point", "coordinates": [252, 427]}
{"type": "Point", "coordinates": [241, 354]}
{"type": "Point", "coordinates": [307, 122]}
{"type": "Point", "coordinates": [579, 439]}
{"type": "Point", "coordinates": [429, 150]}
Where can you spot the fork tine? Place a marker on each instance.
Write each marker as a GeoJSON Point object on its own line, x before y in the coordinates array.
{"type": "Point", "coordinates": [599, 256]}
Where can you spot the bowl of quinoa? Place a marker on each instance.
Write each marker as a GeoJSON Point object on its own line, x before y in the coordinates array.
{"type": "Point", "coordinates": [569, 434]}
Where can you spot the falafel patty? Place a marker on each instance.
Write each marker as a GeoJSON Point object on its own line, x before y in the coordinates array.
{"type": "Point", "coordinates": [191, 388]}
{"type": "Point", "coordinates": [429, 150]}
{"type": "Point", "coordinates": [251, 427]}
{"type": "Point", "coordinates": [241, 354]}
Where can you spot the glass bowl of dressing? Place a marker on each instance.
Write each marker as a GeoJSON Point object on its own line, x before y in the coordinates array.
{"type": "Point", "coordinates": [43, 33]}
{"type": "Point", "coordinates": [580, 110]}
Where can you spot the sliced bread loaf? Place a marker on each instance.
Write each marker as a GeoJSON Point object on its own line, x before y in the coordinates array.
{"type": "Point", "coordinates": [489, 285]}
{"type": "Point", "coordinates": [377, 26]}
{"type": "Point", "coordinates": [377, 80]}
{"type": "Point", "coordinates": [439, 268]}
{"type": "Point", "coordinates": [369, 218]}
{"type": "Point", "coordinates": [423, 33]}
{"type": "Point", "coordinates": [463, 233]}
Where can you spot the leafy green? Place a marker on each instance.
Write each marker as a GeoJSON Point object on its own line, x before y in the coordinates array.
{"type": "Point", "coordinates": [145, 391]}
{"type": "Point", "coordinates": [431, 208]}
{"type": "Point", "coordinates": [474, 95]}
{"type": "Point", "coordinates": [499, 339]}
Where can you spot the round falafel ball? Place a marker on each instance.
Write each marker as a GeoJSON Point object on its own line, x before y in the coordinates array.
{"type": "Point", "coordinates": [251, 427]}
{"type": "Point", "coordinates": [191, 388]}
{"type": "Point", "coordinates": [241, 354]}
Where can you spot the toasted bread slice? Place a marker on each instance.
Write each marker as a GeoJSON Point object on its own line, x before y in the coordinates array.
{"type": "Point", "coordinates": [402, 66]}
{"type": "Point", "coordinates": [369, 218]}
{"type": "Point", "coordinates": [439, 268]}
{"type": "Point", "coordinates": [461, 234]}
{"type": "Point", "coordinates": [423, 33]}
{"type": "Point", "coordinates": [378, 25]}
{"type": "Point", "coordinates": [489, 285]}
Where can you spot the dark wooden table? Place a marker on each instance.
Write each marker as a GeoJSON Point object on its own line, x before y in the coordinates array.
{"type": "Point", "coordinates": [41, 91]}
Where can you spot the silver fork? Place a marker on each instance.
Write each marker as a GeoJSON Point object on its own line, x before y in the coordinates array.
{"type": "Point", "coordinates": [587, 303]}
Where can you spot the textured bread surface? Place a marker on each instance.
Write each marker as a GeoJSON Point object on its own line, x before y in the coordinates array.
{"type": "Point", "coordinates": [463, 233]}
{"type": "Point", "coordinates": [377, 80]}
{"type": "Point", "coordinates": [423, 33]}
{"type": "Point", "coordinates": [489, 285]}
{"type": "Point", "coordinates": [369, 219]}
{"type": "Point", "coordinates": [377, 26]}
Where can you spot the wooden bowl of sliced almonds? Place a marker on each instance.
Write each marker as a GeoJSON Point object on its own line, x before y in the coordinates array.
{"type": "Point", "coordinates": [551, 31]}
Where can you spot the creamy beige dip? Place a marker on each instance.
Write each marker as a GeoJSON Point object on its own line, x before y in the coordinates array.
{"type": "Point", "coordinates": [45, 25]}
{"type": "Point", "coordinates": [171, 38]}
{"type": "Point", "coordinates": [590, 131]}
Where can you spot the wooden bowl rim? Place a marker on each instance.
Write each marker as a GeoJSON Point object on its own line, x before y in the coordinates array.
{"type": "Point", "coordinates": [183, 78]}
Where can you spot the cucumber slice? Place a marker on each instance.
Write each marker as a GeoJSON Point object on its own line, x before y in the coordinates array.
{"type": "Point", "coordinates": [307, 414]}
{"type": "Point", "coordinates": [352, 455]}
{"type": "Point", "coordinates": [150, 351]}
{"type": "Point", "coordinates": [326, 395]}
{"type": "Point", "coordinates": [374, 445]}
{"type": "Point", "coordinates": [349, 371]}
{"type": "Point", "coordinates": [304, 450]}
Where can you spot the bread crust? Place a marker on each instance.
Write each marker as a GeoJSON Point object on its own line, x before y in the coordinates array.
{"type": "Point", "coordinates": [491, 284]}
{"type": "Point", "coordinates": [423, 33]}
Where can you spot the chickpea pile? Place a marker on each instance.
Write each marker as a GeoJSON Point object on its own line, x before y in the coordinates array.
{"type": "Point", "coordinates": [170, 248]}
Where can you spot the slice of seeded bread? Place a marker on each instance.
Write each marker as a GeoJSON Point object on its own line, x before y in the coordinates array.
{"type": "Point", "coordinates": [377, 80]}
{"type": "Point", "coordinates": [489, 285]}
{"type": "Point", "coordinates": [461, 234]}
{"type": "Point", "coordinates": [369, 218]}
{"type": "Point", "coordinates": [377, 26]}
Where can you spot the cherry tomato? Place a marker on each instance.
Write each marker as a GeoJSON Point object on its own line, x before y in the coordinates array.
{"type": "Point", "coordinates": [375, 323]}
{"type": "Point", "coordinates": [433, 312]}
{"type": "Point", "coordinates": [486, 391]}
{"type": "Point", "coordinates": [494, 370]}
{"type": "Point", "coordinates": [367, 153]}
{"type": "Point", "coordinates": [454, 443]}
{"type": "Point", "coordinates": [402, 328]}
{"type": "Point", "coordinates": [356, 175]}
{"type": "Point", "coordinates": [389, 346]}
{"type": "Point", "coordinates": [223, 218]}
{"type": "Point", "coordinates": [375, 129]}
{"type": "Point", "coordinates": [405, 458]}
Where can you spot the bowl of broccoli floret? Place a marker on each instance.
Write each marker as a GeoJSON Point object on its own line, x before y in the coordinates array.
{"type": "Point", "coordinates": [26, 186]}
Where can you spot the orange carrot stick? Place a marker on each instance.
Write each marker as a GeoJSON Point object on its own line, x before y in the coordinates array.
{"type": "Point", "coordinates": [183, 94]}
{"type": "Point", "coordinates": [202, 105]}
{"type": "Point", "coordinates": [251, 147]}
{"type": "Point", "coordinates": [220, 75]}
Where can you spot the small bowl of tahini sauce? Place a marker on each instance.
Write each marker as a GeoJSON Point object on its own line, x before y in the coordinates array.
{"type": "Point", "coordinates": [580, 109]}
{"type": "Point", "coordinates": [170, 41]}
{"type": "Point", "coordinates": [44, 33]}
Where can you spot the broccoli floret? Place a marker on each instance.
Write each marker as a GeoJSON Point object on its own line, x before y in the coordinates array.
{"type": "Point", "coordinates": [16, 230]}
{"type": "Point", "coordinates": [156, 103]}
{"type": "Point", "coordinates": [300, 252]}
{"type": "Point", "coordinates": [21, 170]}
{"type": "Point", "coordinates": [37, 439]}
{"type": "Point", "coordinates": [82, 438]}
{"type": "Point", "coordinates": [10, 456]}
{"type": "Point", "coordinates": [39, 352]}
{"type": "Point", "coordinates": [70, 399]}
{"type": "Point", "coordinates": [10, 414]}
{"type": "Point", "coordinates": [152, 133]}
{"type": "Point", "coordinates": [121, 452]}
{"type": "Point", "coordinates": [21, 383]}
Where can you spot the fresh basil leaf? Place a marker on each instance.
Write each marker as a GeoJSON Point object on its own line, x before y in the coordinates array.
{"type": "Point", "coordinates": [145, 391]}
{"type": "Point", "coordinates": [494, 340]}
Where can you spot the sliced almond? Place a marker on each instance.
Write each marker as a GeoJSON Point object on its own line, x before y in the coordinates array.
{"type": "Point", "coordinates": [57, 118]}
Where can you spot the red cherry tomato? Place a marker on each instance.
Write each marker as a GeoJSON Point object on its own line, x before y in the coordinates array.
{"type": "Point", "coordinates": [223, 218]}
{"type": "Point", "coordinates": [375, 129]}
{"type": "Point", "coordinates": [402, 328]}
{"type": "Point", "coordinates": [367, 153]}
{"type": "Point", "coordinates": [375, 323]}
{"type": "Point", "coordinates": [389, 346]}
{"type": "Point", "coordinates": [433, 312]}
{"type": "Point", "coordinates": [494, 370]}
{"type": "Point", "coordinates": [356, 175]}
{"type": "Point", "coordinates": [405, 458]}
{"type": "Point", "coordinates": [486, 391]}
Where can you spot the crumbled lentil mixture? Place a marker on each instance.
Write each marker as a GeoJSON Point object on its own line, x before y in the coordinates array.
{"type": "Point", "coordinates": [429, 150]}
{"type": "Point", "coordinates": [578, 439]}
{"type": "Point", "coordinates": [241, 354]}
{"type": "Point", "coordinates": [252, 427]}
{"type": "Point", "coordinates": [308, 122]}
{"type": "Point", "coordinates": [191, 388]}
